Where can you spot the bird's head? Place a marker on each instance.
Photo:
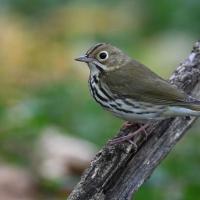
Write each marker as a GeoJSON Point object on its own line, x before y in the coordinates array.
{"type": "Point", "coordinates": [103, 57]}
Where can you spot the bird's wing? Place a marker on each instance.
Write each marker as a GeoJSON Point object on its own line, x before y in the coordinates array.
{"type": "Point", "coordinates": [137, 82]}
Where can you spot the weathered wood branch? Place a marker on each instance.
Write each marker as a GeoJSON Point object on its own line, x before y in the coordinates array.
{"type": "Point", "coordinates": [118, 171]}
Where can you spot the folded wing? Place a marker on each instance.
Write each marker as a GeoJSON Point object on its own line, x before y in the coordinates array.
{"type": "Point", "coordinates": [137, 82]}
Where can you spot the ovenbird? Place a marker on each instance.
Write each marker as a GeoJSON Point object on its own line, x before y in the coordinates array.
{"type": "Point", "coordinates": [132, 91]}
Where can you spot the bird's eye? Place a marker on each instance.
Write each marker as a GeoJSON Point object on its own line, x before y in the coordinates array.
{"type": "Point", "coordinates": [102, 56]}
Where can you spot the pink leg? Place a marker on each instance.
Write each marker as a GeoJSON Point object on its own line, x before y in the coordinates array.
{"type": "Point", "coordinates": [129, 124]}
{"type": "Point", "coordinates": [130, 135]}
{"type": "Point", "coordinates": [144, 130]}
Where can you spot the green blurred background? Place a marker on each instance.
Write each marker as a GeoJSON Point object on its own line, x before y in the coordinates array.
{"type": "Point", "coordinates": [42, 88]}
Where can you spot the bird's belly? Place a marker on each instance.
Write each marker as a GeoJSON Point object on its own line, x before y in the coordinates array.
{"type": "Point", "coordinates": [141, 117]}
{"type": "Point", "coordinates": [136, 111]}
{"type": "Point", "coordinates": [127, 109]}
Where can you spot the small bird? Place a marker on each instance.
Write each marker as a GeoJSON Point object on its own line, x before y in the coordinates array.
{"type": "Point", "coordinates": [132, 91]}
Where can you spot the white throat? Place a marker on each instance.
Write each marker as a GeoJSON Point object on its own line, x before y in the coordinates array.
{"type": "Point", "coordinates": [94, 70]}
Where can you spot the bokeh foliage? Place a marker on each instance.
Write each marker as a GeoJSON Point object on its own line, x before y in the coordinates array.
{"type": "Point", "coordinates": [41, 85]}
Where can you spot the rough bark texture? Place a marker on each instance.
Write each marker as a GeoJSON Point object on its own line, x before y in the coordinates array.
{"type": "Point", "coordinates": [118, 171]}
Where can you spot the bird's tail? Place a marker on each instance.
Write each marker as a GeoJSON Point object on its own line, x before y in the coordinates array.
{"type": "Point", "coordinates": [193, 104]}
{"type": "Point", "coordinates": [183, 111]}
{"type": "Point", "coordinates": [191, 107]}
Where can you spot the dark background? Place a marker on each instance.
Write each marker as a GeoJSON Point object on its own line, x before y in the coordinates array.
{"type": "Point", "coordinates": [42, 88]}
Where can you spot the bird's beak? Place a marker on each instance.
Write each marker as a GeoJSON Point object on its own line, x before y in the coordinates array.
{"type": "Point", "coordinates": [84, 58]}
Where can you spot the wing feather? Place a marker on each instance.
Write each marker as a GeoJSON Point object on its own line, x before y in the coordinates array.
{"type": "Point", "coordinates": [137, 82]}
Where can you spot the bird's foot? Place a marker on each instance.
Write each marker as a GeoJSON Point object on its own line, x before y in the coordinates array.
{"type": "Point", "coordinates": [130, 136]}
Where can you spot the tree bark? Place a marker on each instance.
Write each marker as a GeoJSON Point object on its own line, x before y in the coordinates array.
{"type": "Point", "coordinates": [117, 171]}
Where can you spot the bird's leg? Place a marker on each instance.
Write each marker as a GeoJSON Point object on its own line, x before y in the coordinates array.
{"type": "Point", "coordinates": [130, 135]}
{"type": "Point", "coordinates": [143, 128]}
{"type": "Point", "coordinates": [129, 124]}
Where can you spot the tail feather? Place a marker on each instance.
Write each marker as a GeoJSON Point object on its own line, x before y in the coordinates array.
{"type": "Point", "coordinates": [190, 106]}
{"type": "Point", "coordinates": [183, 111]}
{"type": "Point", "coordinates": [193, 104]}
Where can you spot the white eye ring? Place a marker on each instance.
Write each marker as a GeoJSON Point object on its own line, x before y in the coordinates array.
{"type": "Point", "coordinates": [102, 56]}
